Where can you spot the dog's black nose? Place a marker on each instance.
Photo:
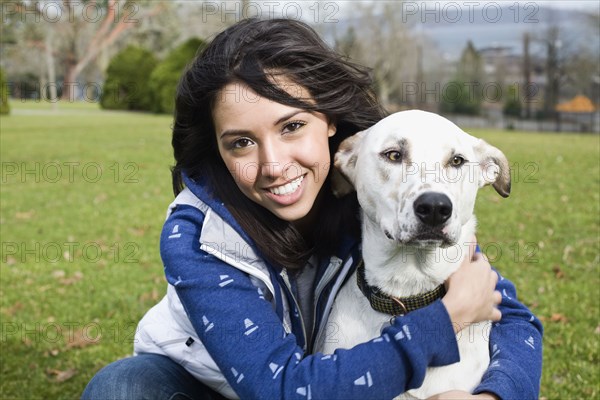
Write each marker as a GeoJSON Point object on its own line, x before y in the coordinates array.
{"type": "Point", "coordinates": [433, 209]}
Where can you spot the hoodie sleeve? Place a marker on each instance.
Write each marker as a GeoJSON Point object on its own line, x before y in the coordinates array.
{"type": "Point", "coordinates": [245, 337]}
{"type": "Point", "coordinates": [515, 350]}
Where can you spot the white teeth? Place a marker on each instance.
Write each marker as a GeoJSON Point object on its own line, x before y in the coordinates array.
{"type": "Point", "coordinates": [288, 188]}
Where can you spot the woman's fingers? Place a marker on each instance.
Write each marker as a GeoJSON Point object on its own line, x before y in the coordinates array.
{"type": "Point", "coordinates": [497, 297]}
{"type": "Point", "coordinates": [471, 295]}
{"type": "Point", "coordinates": [496, 315]}
{"type": "Point", "coordinates": [472, 247]}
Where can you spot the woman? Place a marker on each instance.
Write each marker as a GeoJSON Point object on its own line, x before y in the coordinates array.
{"type": "Point", "coordinates": [255, 246]}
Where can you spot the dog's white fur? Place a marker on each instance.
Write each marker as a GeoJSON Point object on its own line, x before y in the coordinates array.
{"type": "Point", "coordinates": [399, 258]}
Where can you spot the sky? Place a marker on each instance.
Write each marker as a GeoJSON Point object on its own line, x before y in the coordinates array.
{"type": "Point", "coordinates": [571, 4]}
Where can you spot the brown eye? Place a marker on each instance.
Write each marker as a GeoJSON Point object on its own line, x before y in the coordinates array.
{"type": "Point", "coordinates": [241, 143]}
{"type": "Point", "coordinates": [393, 155]}
{"type": "Point", "coordinates": [457, 161]}
{"type": "Point", "coordinates": [293, 126]}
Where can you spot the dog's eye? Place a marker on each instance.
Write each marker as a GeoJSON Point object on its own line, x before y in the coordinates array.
{"type": "Point", "coordinates": [393, 155]}
{"type": "Point", "coordinates": [457, 161]}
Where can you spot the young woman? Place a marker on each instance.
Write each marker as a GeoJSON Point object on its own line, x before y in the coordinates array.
{"type": "Point", "coordinates": [255, 246]}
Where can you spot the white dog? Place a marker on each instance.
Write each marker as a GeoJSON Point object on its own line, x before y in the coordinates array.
{"type": "Point", "coordinates": [416, 175]}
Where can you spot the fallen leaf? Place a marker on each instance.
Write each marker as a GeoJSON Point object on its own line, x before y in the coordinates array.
{"type": "Point", "coordinates": [59, 273]}
{"type": "Point", "coordinates": [597, 331]}
{"type": "Point", "coordinates": [12, 310]}
{"type": "Point", "coordinates": [81, 338]}
{"type": "Point", "coordinates": [153, 295]}
{"type": "Point", "coordinates": [54, 352]}
{"type": "Point", "coordinates": [533, 305]}
{"type": "Point", "coordinates": [100, 198]}
{"type": "Point", "coordinates": [558, 273]}
{"type": "Point", "coordinates": [138, 231]}
{"type": "Point", "coordinates": [568, 249]}
{"type": "Point", "coordinates": [77, 276]}
{"type": "Point", "coordinates": [559, 379]}
{"type": "Point", "coordinates": [61, 376]}
{"type": "Point", "coordinates": [25, 214]}
{"type": "Point", "coordinates": [556, 317]}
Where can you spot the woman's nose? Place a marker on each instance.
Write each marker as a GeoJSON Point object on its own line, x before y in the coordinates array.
{"type": "Point", "coordinates": [272, 160]}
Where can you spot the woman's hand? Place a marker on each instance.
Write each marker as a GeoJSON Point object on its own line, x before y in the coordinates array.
{"type": "Point", "coordinates": [470, 293]}
{"type": "Point", "coordinates": [460, 395]}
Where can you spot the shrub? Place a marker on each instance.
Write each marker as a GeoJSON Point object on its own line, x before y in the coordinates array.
{"type": "Point", "coordinates": [458, 98]}
{"type": "Point", "coordinates": [4, 106]}
{"type": "Point", "coordinates": [164, 78]}
{"type": "Point", "coordinates": [126, 86]}
{"type": "Point", "coordinates": [512, 105]}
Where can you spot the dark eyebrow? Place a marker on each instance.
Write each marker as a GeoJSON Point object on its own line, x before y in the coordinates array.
{"type": "Point", "coordinates": [288, 116]}
{"type": "Point", "coordinates": [234, 132]}
{"type": "Point", "coordinates": [242, 132]}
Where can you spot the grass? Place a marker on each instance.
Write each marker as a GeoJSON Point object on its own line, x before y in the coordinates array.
{"type": "Point", "coordinates": [545, 238]}
{"type": "Point", "coordinates": [80, 261]}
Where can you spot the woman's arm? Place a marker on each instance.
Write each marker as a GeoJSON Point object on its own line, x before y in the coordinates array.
{"type": "Point", "coordinates": [515, 350]}
{"type": "Point", "coordinates": [515, 353]}
{"type": "Point", "coordinates": [247, 341]}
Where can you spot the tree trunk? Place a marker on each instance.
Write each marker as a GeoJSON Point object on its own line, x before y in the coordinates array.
{"type": "Point", "coordinates": [106, 35]}
{"type": "Point", "coordinates": [52, 95]}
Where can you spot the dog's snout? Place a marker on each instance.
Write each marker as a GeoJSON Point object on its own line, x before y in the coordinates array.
{"type": "Point", "coordinates": [433, 209]}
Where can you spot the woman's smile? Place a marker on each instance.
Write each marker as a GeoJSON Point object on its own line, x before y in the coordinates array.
{"type": "Point", "coordinates": [288, 193]}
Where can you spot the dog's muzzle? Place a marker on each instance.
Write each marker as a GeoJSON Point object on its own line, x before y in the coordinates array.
{"type": "Point", "coordinates": [433, 209]}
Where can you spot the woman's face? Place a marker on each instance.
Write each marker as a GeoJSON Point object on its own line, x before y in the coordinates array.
{"type": "Point", "coordinates": [278, 155]}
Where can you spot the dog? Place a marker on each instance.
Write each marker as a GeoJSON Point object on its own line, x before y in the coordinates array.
{"type": "Point", "coordinates": [416, 175]}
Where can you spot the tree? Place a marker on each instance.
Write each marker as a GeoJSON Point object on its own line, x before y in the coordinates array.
{"type": "Point", "coordinates": [462, 95]}
{"type": "Point", "coordinates": [581, 64]}
{"type": "Point", "coordinates": [347, 44]}
{"type": "Point", "coordinates": [378, 38]}
{"type": "Point", "coordinates": [82, 30]}
{"type": "Point", "coordinates": [111, 27]}
{"type": "Point", "coordinates": [4, 106]}
{"type": "Point", "coordinates": [164, 78]}
{"type": "Point", "coordinates": [512, 104]}
{"type": "Point", "coordinates": [126, 86]}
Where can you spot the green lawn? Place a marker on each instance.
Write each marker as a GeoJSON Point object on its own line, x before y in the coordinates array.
{"type": "Point", "coordinates": [83, 198]}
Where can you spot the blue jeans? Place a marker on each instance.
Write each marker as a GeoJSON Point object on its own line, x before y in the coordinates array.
{"type": "Point", "coordinates": [149, 377]}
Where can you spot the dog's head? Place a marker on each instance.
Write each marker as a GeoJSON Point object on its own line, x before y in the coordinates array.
{"type": "Point", "coordinates": [417, 175]}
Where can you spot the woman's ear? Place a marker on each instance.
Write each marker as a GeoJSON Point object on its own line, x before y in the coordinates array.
{"type": "Point", "coordinates": [332, 129]}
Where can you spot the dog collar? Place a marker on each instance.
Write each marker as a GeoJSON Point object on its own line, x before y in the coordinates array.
{"type": "Point", "coordinates": [395, 305]}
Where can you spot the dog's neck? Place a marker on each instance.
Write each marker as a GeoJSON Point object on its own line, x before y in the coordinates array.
{"type": "Point", "coordinates": [399, 270]}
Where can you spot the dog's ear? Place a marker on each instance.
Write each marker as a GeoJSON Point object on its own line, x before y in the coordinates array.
{"type": "Point", "coordinates": [494, 167]}
{"type": "Point", "coordinates": [344, 172]}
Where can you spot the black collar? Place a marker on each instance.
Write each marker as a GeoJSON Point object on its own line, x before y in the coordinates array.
{"type": "Point", "coordinates": [395, 305]}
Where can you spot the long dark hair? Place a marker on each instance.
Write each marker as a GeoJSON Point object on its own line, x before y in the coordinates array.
{"type": "Point", "coordinates": [250, 52]}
